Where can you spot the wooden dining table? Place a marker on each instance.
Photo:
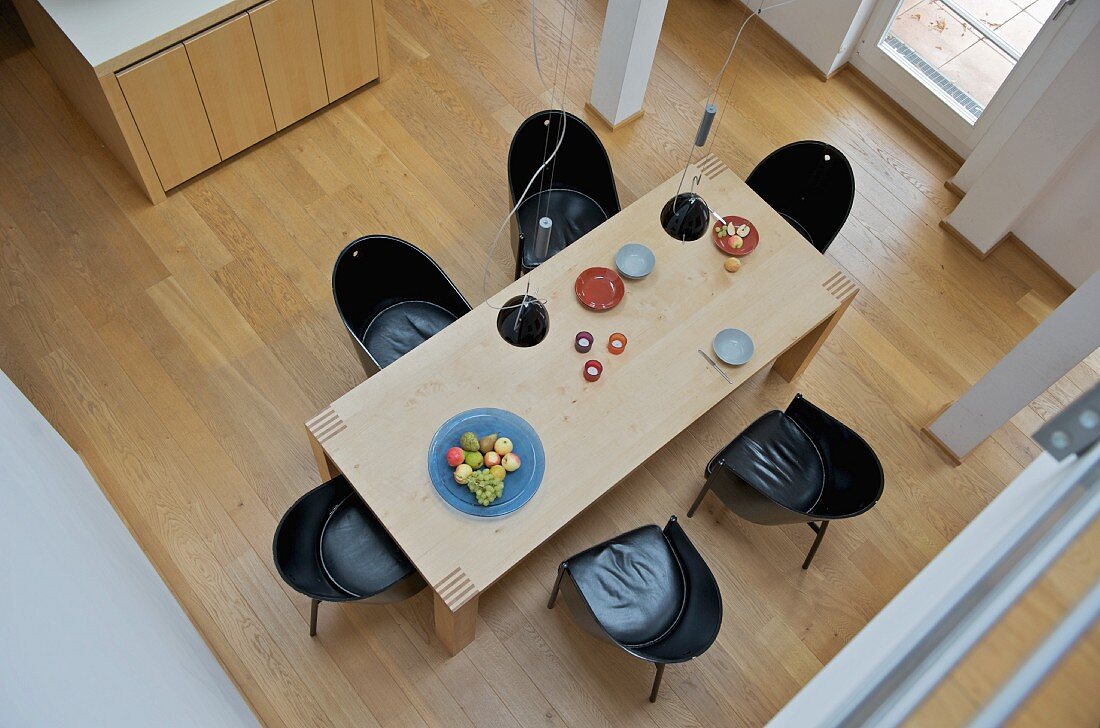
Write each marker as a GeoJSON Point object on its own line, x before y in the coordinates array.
{"type": "Point", "coordinates": [787, 297]}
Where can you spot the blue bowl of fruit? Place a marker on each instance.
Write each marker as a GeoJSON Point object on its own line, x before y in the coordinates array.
{"type": "Point", "coordinates": [486, 461]}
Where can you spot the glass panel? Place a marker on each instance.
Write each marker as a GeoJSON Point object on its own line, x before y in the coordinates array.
{"type": "Point", "coordinates": [964, 49]}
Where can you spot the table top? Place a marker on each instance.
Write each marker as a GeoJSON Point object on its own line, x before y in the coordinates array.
{"type": "Point", "coordinates": [112, 34]}
{"type": "Point", "coordinates": [596, 433]}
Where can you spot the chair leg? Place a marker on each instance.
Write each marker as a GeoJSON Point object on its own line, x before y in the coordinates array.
{"type": "Point", "coordinates": [817, 541]}
{"type": "Point", "coordinates": [699, 498]}
{"type": "Point", "coordinates": [657, 682]}
{"type": "Point", "coordinates": [557, 586]}
{"type": "Point", "coordinates": [313, 604]}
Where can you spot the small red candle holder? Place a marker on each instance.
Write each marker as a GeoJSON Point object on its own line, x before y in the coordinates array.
{"type": "Point", "coordinates": [616, 343]}
{"type": "Point", "coordinates": [592, 370]}
{"type": "Point", "coordinates": [583, 342]}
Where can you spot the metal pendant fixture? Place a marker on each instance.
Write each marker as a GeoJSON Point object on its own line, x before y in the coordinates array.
{"type": "Point", "coordinates": [523, 321]}
{"type": "Point", "coordinates": [686, 216]}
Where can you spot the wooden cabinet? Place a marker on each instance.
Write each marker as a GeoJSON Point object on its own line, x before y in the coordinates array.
{"type": "Point", "coordinates": [290, 55]}
{"type": "Point", "coordinates": [164, 99]}
{"type": "Point", "coordinates": [231, 82]}
{"type": "Point", "coordinates": [173, 87]}
{"type": "Point", "coordinates": [348, 46]}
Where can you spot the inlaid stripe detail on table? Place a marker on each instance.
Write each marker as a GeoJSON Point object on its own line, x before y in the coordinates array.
{"type": "Point", "coordinates": [326, 424]}
{"type": "Point", "coordinates": [840, 286]}
{"type": "Point", "coordinates": [711, 166]}
{"type": "Point", "coordinates": [456, 589]}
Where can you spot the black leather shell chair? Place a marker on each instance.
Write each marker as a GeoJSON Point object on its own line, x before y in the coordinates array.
{"type": "Point", "coordinates": [811, 185]}
{"type": "Point", "coordinates": [797, 466]}
{"type": "Point", "coordinates": [576, 190]}
{"type": "Point", "coordinates": [647, 591]}
{"type": "Point", "coordinates": [392, 297]}
{"type": "Point", "coordinates": [331, 548]}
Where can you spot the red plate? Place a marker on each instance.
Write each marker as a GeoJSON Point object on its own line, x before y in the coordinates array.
{"type": "Point", "coordinates": [723, 244]}
{"type": "Point", "coordinates": [599, 288]}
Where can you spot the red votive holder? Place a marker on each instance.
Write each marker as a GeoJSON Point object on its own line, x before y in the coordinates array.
{"type": "Point", "coordinates": [616, 343]}
{"type": "Point", "coordinates": [592, 370]}
{"type": "Point", "coordinates": [583, 342]}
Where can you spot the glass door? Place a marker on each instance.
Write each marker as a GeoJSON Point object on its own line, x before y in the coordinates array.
{"type": "Point", "coordinates": [945, 61]}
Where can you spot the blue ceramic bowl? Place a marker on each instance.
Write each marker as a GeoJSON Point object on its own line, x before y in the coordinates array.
{"type": "Point", "coordinates": [635, 260]}
{"type": "Point", "coordinates": [733, 346]}
{"type": "Point", "coordinates": [519, 486]}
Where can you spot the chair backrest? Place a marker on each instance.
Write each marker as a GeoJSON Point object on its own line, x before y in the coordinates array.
{"type": "Point", "coordinates": [376, 271]}
{"type": "Point", "coordinates": [853, 473]}
{"type": "Point", "coordinates": [701, 618]}
{"type": "Point", "coordinates": [295, 547]}
{"type": "Point", "coordinates": [811, 184]}
{"type": "Point", "coordinates": [581, 164]}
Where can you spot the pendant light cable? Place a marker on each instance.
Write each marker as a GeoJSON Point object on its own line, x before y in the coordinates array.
{"type": "Point", "coordinates": [564, 96]}
{"type": "Point", "coordinates": [715, 85]}
{"type": "Point", "coordinates": [548, 159]}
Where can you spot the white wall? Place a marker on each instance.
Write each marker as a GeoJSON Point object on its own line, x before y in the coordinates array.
{"type": "Point", "coordinates": [1038, 167]}
{"type": "Point", "coordinates": [1061, 225]}
{"type": "Point", "coordinates": [89, 634]}
{"type": "Point", "coordinates": [824, 31]}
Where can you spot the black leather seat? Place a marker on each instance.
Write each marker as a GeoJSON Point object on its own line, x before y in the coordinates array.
{"type": "Point", "coordinates": [402, 327]}
{"type": "Point", "coordinates": [392, 297]}
{"type": "Point", "coordinates": [796, 466]}
{"type": "Point", "coordinates": [574, 213]}
{"type": "Point", "coordinates": [576, 190]}
{"type": "Point", "coordinates": [647, 591]}
{"type": "Point", "coordinates": [811, 185]}
{"type": "Point", "coordinates": [331, 548]}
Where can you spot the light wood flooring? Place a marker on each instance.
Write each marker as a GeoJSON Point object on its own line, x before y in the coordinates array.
{"type": "Point", "coordinates": [179, 348]}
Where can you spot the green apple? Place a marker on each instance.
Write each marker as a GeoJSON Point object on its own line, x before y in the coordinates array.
{"type": "Point", "coordinates": [503, 446]}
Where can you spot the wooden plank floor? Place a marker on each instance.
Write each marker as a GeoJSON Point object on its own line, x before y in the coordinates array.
{"type": "Point", "coordinates": [179, 348]}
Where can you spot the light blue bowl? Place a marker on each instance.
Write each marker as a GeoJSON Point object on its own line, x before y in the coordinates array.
{"type": "Point", "coordinates": [519, 487]}
{"type": "Point", "coordinates": [635, 261]}
{"type": "Point", "coordinates": [733, 346]}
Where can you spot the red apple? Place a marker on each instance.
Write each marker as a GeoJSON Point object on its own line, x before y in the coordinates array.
{"type": "Point", "coordinates": [510, 461]}
{"type": "Point", "coordinates": [455, 456]}
{"type": "Point", "coordinates": [492, 458]}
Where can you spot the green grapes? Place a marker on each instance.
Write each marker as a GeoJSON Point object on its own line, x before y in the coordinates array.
{"type": "Point", "coordinates": [485, 487]}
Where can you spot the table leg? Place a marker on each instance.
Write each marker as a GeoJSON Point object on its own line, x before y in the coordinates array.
{"type": "Point", "coordinates": [455, 629]}
{"type": "Point", "coordinates": [794, 360]}
{"type": "Point", "coordinates": [325, 466]}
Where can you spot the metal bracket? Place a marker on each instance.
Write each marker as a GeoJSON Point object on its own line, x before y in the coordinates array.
{"type": "Point", "coordinates": [1074, 429]}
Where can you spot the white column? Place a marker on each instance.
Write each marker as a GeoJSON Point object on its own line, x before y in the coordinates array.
{"type": "Point", "coordinates": [1035, 154]}
{"type": "Point", "coordinates": [631, 30]}
{"type": "Point", "coordinates": [1068, 335]}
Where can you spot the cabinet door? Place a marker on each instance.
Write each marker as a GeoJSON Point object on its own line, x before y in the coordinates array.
{"type": "Point", "coordinates": [286, 36]}
{"type": "Point", "coordinates": [348, 47]}
{"type": "Point", "coordinates": [164, 100]}
{"type": "Point", "coordinates": [227, 68]}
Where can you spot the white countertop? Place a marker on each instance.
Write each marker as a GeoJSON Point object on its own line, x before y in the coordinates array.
{"type": "Point", "coordinates": [113, 33]}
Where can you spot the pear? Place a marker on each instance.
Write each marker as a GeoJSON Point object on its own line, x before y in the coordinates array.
{"type": "Point", "coordinates": [486, 443]}
{"type": "Point", "coordinates": [468, 442]}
